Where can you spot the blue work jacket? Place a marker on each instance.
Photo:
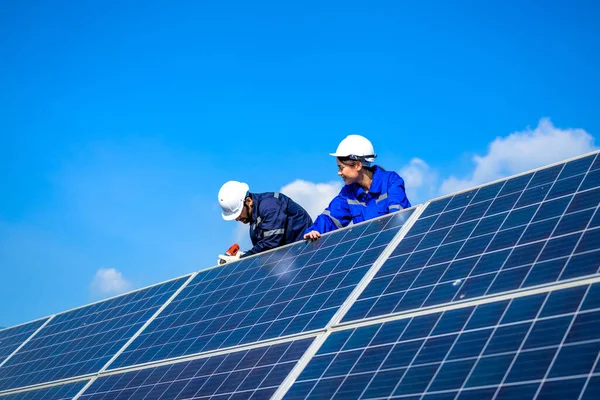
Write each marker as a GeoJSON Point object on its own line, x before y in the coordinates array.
{"type": "Point", "coordinates": [276, 220]}
{"type": "Point", "coordinates": [353, 204]}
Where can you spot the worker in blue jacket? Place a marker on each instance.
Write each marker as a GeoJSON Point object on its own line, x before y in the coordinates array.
{"type": "Point", "coordinates": [274, 218]}
{"type": "Point", "coordinates": [369, 191]}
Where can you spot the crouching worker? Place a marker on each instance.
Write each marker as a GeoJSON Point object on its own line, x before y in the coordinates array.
{"type": "Point", "coordinates": [369, 191]}
{"type": "Point", "coordinates": [274, 218]}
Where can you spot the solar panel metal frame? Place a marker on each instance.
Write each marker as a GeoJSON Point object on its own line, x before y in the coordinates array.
{"type": "Point", "coordinates": [330, 327]}
{"type": "Point", "coordinates": [334, 325]}
{"type": "Point", "coordinates": [360, 287]}
{"type": "Point", "coordinates": [7, 395]}
{"type": "Point", "coordinates": [517, 293]}
{"type": "Point", "coordinates": [92, 376]}
{"type": "Point", "coordinates": [317, 333]}
{"type": "Point", "coordinates": [418, 313]}
{"type": "Point", "coordinates": [197, 356]}
{"type": "Point", "coordinates": [346, 304]}
{"type": "Point", "coordinates": [425, 206]}
{"type": "Point", "coordinates": [107, 364]}
{"type": "Point", "coordinates": [156, 314]}
{"type": "Point", "coordinates": [47, 320]}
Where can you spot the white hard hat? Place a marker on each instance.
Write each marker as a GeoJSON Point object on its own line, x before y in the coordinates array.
{"type": "Point", "coordinates": [356, 147]}
{"type": "Point", "coordinates": [231, 199]}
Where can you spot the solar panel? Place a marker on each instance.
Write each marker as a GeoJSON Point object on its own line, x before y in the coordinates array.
{"type": "Point", "coordinates": [12, 338]}
{"type": "Point", "coordinates": [248, 374]}
{"type": "Point", "coordinates": [545, 344]}
{"type": "Point", "coordinates": [493, 292]}
{"type": "Point", "coordinates": [295, 289]}
{"type": "Point", "coordinates": [534, 229]}
{"type": "Point", "coordinates": [83, 340]}
{"type": "Point", "coordinates": [60, 392]}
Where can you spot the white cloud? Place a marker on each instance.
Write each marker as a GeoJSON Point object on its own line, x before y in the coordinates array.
{"type": "Point", "coordinates": [314, 197]}
{"type": "Point", "coordinates": [420, 181]}
{"type": "Point", "coordinates": [522, 151]}
{"type": "Point", "coordinates": [109, 281]}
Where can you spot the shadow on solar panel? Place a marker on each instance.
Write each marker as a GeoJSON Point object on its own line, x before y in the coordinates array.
{"type": "Point", "coordinates": [492, 292]}
{"type": "Point", "coordinates": [542, 346]}
{"type": "Point", "coordinates": [295, 289]}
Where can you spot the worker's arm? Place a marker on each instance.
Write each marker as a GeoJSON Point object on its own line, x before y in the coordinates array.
{"type": "Point", "coordinates": [336, 215]}
{"type": "Point", "coordinates": [397, 199]}
{"type": "Point", "coordinates": [271, 229]}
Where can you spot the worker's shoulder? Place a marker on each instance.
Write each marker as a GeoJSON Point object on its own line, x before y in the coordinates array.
{"type": "Point", "coordinates": [387, 176]}
{"type": "Point", "coordinates": [265, 195]}
{"type": "Point", "coordinates": [271, 198]}
{"type": "Point", "coordinates": [348, 192]}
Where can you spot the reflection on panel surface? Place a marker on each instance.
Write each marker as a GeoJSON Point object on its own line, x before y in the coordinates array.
{"type": "Point", "coordinates": [248, 374]}
{"type": "Point", "coordinates": [81, 341]}
{"type": "Point", "coordinates": [294, 289]}
{"type": "Point", "coordinates": [59, 392]}
{"type": "Point", "coordinates": [12, 338]}
{"type": "Point", "coordinates": [538, 228]}
{"type": "Point", "coordinates": [546, 343]}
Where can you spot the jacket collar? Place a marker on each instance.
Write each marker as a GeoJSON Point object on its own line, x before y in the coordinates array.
{"type": "Point", "coordinates": [376, 184]}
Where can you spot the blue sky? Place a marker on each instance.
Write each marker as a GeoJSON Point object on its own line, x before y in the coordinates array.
{"type": "Point", "coordinates": [119, 122]}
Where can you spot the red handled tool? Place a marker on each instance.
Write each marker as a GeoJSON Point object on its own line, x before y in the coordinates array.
{"type": "Point", "coordinates": [233, 250]}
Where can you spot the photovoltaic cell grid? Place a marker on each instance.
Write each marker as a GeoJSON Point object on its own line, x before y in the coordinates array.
{"type": "Point", "coordinates": [11, 338]}
{"type": "Point", "coordinates": [82, 341]}
{"type": "Point", "coordinates": [545, 345]}
{"type": "Point", "coordinates": [61, 392]}
{"type": "Point", "coordinates": [288, 291]}
{"type": "Point", "coordinates": [249, 374]}
{"type": "Point", "coordinates": [533, 229]}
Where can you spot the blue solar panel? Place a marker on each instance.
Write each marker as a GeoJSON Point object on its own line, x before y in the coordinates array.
{"type": "Point", "coordinates": [11, 338]}
{"type": "Point", "coordinates": [248, 374]}
{"type": "Point", "coordinates": [294, 289]}
{"type": "Point", "coordinates": [60, 392]}
{"type": "Point", "coordinates": [537, 228]}
{"type": "Point", "coordinates": [479, 251]}
{"type": "Point", "coordinates": [81, 341]}
{"type": "Point", "coordinates": [545, 345]}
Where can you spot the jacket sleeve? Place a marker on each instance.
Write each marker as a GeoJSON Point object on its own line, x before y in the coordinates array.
{"type": "Point", "coordinates": [397, 199]}
{"type": "Point", "coordinates": [271, 228]}
{"type": "Point", "coordinates": [336, 215]}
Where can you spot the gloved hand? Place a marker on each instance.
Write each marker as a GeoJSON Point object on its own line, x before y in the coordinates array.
{"type": "Point", "coordinates": [224, 259]}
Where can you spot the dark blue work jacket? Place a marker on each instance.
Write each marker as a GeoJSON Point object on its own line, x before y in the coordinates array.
{"type": "Point", "coordinates": [353, 204]}
{"type": "Point", "coordinates": [276, 220]}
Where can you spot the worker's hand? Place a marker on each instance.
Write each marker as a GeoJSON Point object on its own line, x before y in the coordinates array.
{"type": "Point", "coordinates": [312, 235]}
{"type": "Point", "coordinates": [224, 259]}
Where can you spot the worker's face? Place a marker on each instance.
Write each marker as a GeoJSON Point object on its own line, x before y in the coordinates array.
{"type": "Point", "coordinates": [348, 171]}
{"type": "Point", "coordinates": [246, 214]}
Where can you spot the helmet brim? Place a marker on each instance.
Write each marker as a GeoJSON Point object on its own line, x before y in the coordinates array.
{"type": "Point", "coordinates": [231, 217]}
{"type": "Point", "coordinates": [367, 159]}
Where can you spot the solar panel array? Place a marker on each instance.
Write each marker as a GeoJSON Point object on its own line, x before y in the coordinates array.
{"type": "Point", "coordinates": [294, 289]}
{"type": "Point", "coordinates": [251, 374]}
{"type": "Point", "coordinates": [493, 292]}
{"type": "Point", "coordinates": [12, 338]}
{"type": "Point", "coordinates": [533, 229]}
{"type": "Point", "coordinates": [542, 344]}
{"type": "Point", "coordinates": [83, 340]}
{"type": "Point", "coordinates": [66, 391]}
